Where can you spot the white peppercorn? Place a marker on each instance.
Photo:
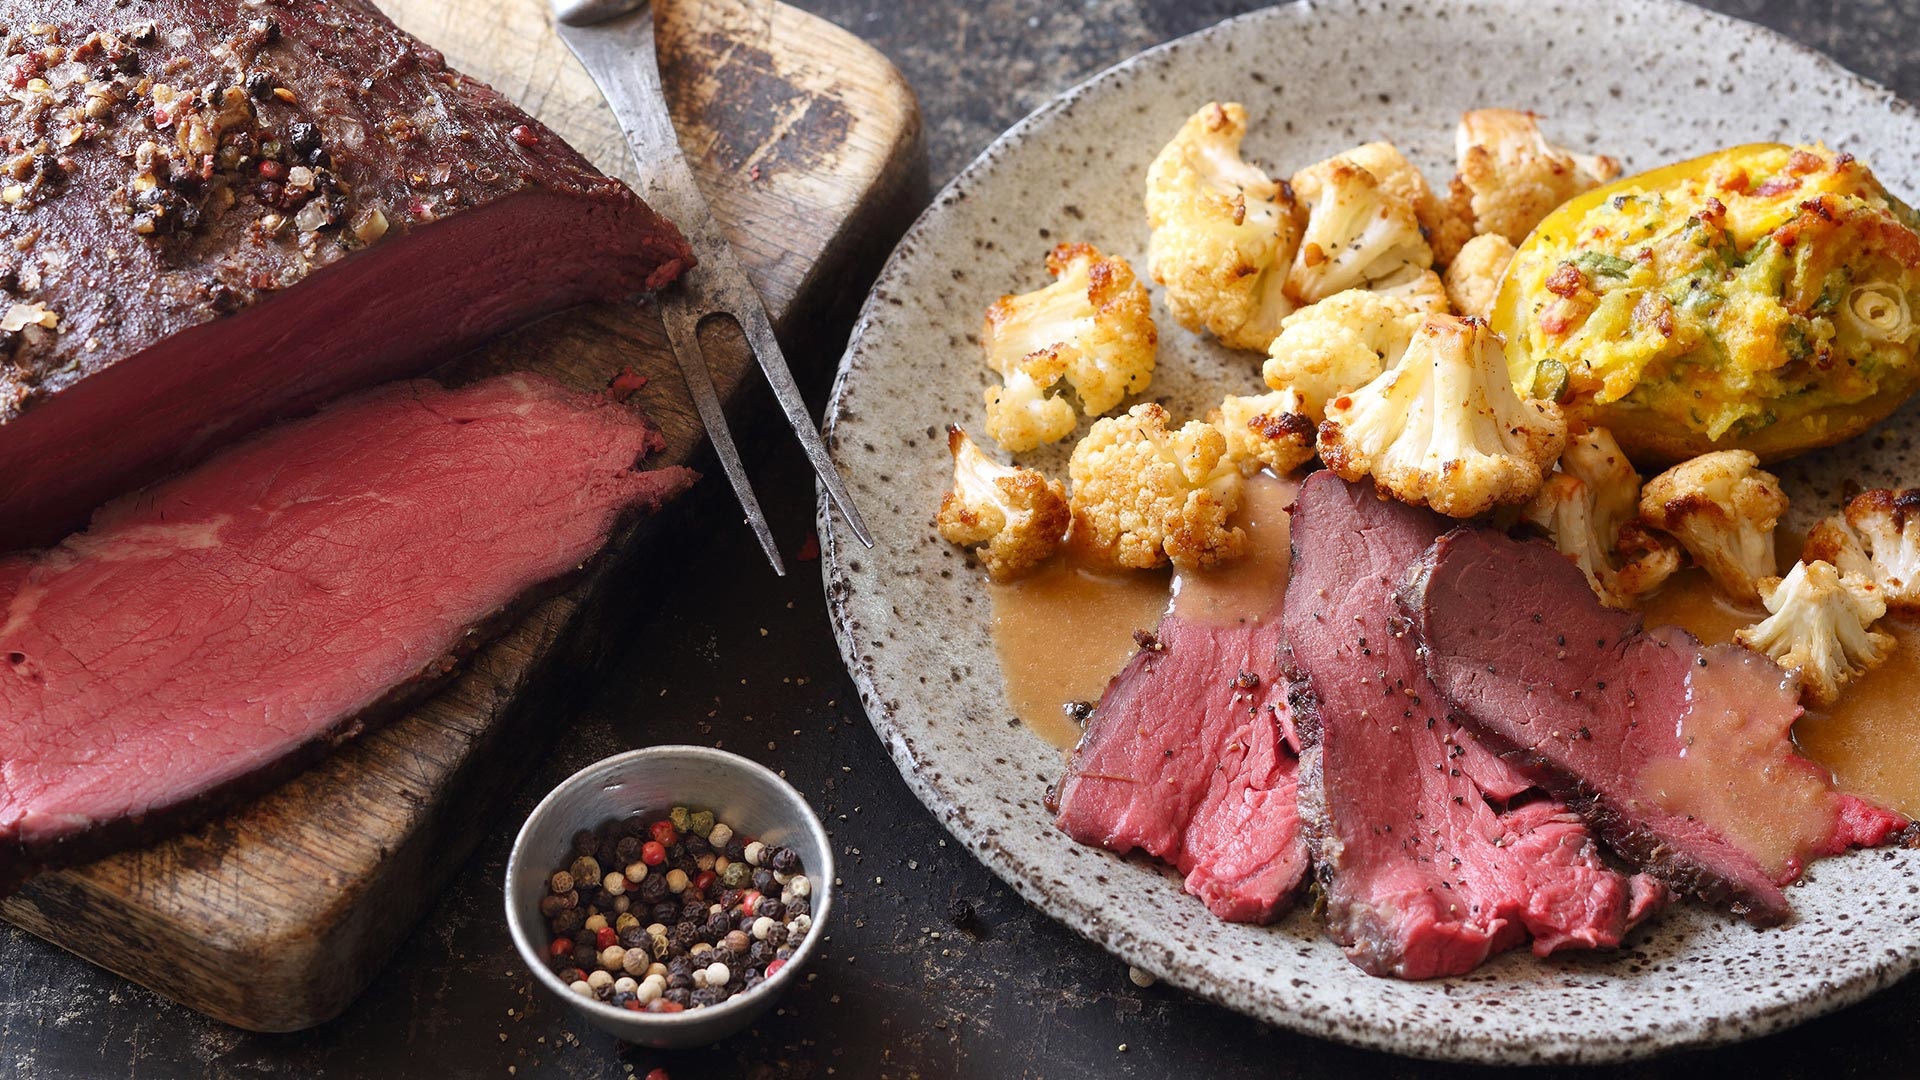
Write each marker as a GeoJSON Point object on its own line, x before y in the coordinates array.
{"type": "Point", "coordinates": [798, 885]}
{"type": "Point", "coordinates": [599, 980]}
{"type": "Point", "coordinates": [581, 987]}
{"type": "Point", "coordinates": [650, 990]}
{"type": "Point", "coordinates": [755, 852]}
{"type": "Point", "coordinates": [596, 923]}
{"type": "Point", "coordinates": [760, 927]}
{"type": "Point", "coordinates": [717, 975]}
{"type": "Point", "coordinates": [636, 872]}
{"type": "Point", "coordinates": [615, 883]}
{"type": "Point", "coordinates": [719, 837]}
{"type": "Point", "coordinates": [676, 880]}
{"type": "Point", "coordinates": [624, 985]}
{"type": "Point", "coordinates": [636, 961]}
{"type": "Point", "coordinates": [613, 958]}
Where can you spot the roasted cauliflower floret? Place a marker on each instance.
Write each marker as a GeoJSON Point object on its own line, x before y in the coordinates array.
{"type": "Point", "coordinates": [1021, 414]}
{"type": "Point", "coordinates": [1515, 177]}
{"type": "Point", "coordinates": [1014, 517]}
{"type": "Point", "coordinates": [1589, 508]}
{"type": "Point", "coordinates": [1339, 344]}
{"type": "Point", "coordinates": [1096, 318]}
{"type": "Point", "coordinates": [1443, 427]}
{"type": "Point", "coordinates": [1473, 277]}
{"type": "Point", "coordinates": [1821, 626]}
{"type": "Point", "coordinates": [1223, 232]}
{"type": "Point", "coordinates": [1143, 494]}
{"type": "Point", "coordinates": [1722, 507]}
{"type": "Point", "coordinates": [1446, 228]}
{"type": "Point", "coordinates": [1267, 431]}
{"type": "Point", "coordinates": [1877, 538]}
{"type": "Point", "coordinates": [1359, 234]}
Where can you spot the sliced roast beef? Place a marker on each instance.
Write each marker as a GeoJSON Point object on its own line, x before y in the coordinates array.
{"type": "Point", "coordinates": [220, 212]}
{"type": "Point", "coordinates": [1680, 754]}
{"type": "Point", "coordinates": [1430, 856]}
{"type": "Point", "coordinates": [1187, 759]}
{"type": "Point", "coordinates": [210, 629]}
{"type": "Point", "coordinates": [1190, 755]}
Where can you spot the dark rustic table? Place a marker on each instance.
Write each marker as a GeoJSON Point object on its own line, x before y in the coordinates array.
{"type": "Point", "coordinates": [725, 654]}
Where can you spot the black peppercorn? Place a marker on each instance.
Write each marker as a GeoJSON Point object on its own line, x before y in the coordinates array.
{"type": "Point", "coordinates": [764, 884]}
{"type": "Point", "coordinates": [798, 907]}
{"type": "Point", "coordinates": [679, 996]}
{"type": "Point", "coordinates": [777, 935]}
{"type": "Point", "coordinates": [783, 953]}
{"type": "Point", "coordinates": [586, 956]}
{"type": "Point", "coordinates": [683, 936]}
{"type": "Point", "coordinates": [784, 860]}
{"type": "Point", "coordinates": [759, 953]}
{"type": "Point", "coordinates": [677, 855]}
{"type": "Point", "coordinates": [568, 921]}
{"type": "Point", "coordinates": [304, 138]}
{"type": "Point", "coordinates": [628, 850]}
{"type": "Point", "coordinates": [753, 979]}
{"type": "Point", "coordinates": [679, 982]}
{"type": "Point", "coordinates": [696, 845]}
{"type": "Point", "coordinates": [772, 909]}
{"type": "Point", "coordinates": [680, 965]}
{"type": "Point", "coordinates": [664, 911]}
{"type": "Point", "coordinates": [260, 85]}
{"type": "Point", "coordinates": [716, 926]}
{"type": "Point", "coordinates": [653, 888]}
{"type": "Point", "coordinates": [633, 938]}
{"type": "Point", "coordinates": [708, 996]}
{"type": "Point", "coordinates": [694, 911]}
{"type": "Point", "coordinates": [736, 850]}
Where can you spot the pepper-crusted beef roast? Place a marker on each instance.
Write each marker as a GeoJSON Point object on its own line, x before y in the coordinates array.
{"type": "Point", "coordinates": [220, 212]}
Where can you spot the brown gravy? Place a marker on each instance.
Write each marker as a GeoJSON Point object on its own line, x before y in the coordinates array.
{"type": "Point", "coordinates": [1736, 773]}
{"type": "Point", "coordinates": [1870, 739]}
{"type": "Point", "coordinates": [1063, 631]}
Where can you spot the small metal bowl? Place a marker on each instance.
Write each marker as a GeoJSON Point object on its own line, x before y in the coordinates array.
{"type": "Point", "coordinates": [742, 793]}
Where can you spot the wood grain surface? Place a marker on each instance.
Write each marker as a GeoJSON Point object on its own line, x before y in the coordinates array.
{"type": "Point", "coordinates": [274, 915]}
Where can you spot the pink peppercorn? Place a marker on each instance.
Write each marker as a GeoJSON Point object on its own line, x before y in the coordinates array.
{"type": "Point", "coordinates": [704, 880]}
{"type": "Point", "coordinates": [606, 937]}
{"type": "Point", "coordinates": [653, 852]}
{"type": "Point", "coordinates": [560, 947]}
{"type": "Point", "coordinates": [774, 966]}
{"type": "Point", "coordinates": [664, 833]}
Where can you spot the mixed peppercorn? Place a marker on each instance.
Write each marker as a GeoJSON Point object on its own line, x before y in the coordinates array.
{"type": "Point", "coordinates": [674, 912]}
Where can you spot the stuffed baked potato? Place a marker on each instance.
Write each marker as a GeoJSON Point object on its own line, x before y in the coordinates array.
{"type": "Point", "coordinates": [1761, 298]}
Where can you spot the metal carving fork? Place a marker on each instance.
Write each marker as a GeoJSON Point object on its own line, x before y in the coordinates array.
{"type": "Point", "coordinates": [615, 40]}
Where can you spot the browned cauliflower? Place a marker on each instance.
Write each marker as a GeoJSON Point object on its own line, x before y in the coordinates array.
{"type": "Point", "coordinates": [1267, 431]}
{"type": "Point", "coordinates": [1722, 507]}
{"type": "Point", "coordinates": [1021, 414]}
{"type": "Point", "coordinates": [1446, 228]}
{"type": "Point", "coordinates": [1359, 234]}
{"type": "Point", "coordinates": [1589, 508]}
{"type": "Point", "coordinates": [1339, 344]}
{"type": "Point", "coordinates": [1473, 278]}
{"type": "Point", "coordinates": [1094, 325]}
{"type": "Point", "coordinates": [1143, 494]}
{"type": "Point", "coordinates": [1877, 538]}
{"type": "Point", "coordinates": [1014, 517]}
{"type": "Point", "coordinates": [1443, 427]}
{"type": "Point", "coordinates": [1515, 177]}
{"type": "Point", "coordinates": [1223, 231]}
{"type": "Point", "coordinates": [1820, 626]}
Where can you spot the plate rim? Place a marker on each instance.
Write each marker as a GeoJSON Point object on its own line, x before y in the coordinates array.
{"type": "Point", "coordinates": [1361, 1030]}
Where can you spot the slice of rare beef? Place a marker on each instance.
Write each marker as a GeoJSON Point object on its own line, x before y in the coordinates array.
{"type": "Point", "coordinates": [1680, 754]}
{"type": "Point", "coordinates": [207, 633]}
{"type": "Point", "coordinates": [230, 211]}
{"type": "Point", "coordinates": [1190, 755]}
{"type": "Point", "coordinates": [1430, 857]}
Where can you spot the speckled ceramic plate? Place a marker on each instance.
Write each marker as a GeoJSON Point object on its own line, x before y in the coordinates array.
{"type": "Point", "coordinates": [1622, 78]}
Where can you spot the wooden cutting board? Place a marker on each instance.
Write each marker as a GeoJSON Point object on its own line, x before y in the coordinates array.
{"type": "Point", "coordinates": [274, 916]}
